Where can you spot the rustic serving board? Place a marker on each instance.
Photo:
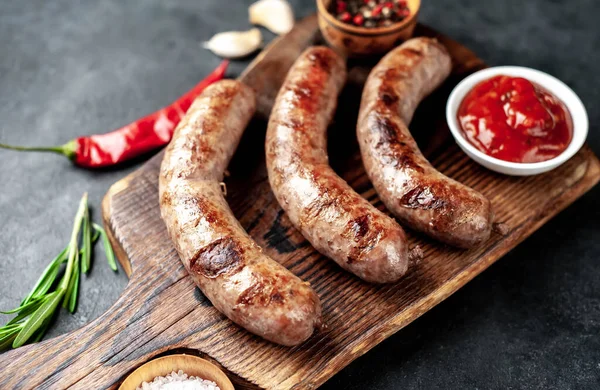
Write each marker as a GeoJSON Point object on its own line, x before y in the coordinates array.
{"type": "Point", "coordinates": [161, 311]}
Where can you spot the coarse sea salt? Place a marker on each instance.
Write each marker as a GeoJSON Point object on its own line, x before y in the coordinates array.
{"type": "Point", "coordinates": [178, 381]}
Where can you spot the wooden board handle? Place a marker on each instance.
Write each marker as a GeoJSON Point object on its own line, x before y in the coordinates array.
{"type": "Point", "coordinates": [43, 364]}
{"type": "Point", "coordinates": [101, 353]}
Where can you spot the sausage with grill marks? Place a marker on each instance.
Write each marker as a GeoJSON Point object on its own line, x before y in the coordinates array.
{"type": "Point", "coordinates": [336, 220]}
{"type": "Point", "coordinates": [415, 192]}
{"type": "Point", "coordinates": [241, 281]}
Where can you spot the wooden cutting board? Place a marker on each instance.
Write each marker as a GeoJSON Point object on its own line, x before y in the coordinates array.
{"type": "Point", "coordinates": [161, 311]}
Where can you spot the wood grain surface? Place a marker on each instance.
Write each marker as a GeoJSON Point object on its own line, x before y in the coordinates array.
{"type": "Point", "coordinates": [162, 312]}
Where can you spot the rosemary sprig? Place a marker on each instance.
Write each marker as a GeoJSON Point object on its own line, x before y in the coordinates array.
{"type": "Point", "coordinates": [36, 311]}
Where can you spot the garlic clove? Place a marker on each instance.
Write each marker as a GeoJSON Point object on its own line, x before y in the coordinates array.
{"type": "Point", "coordinates": [276, 15]}
{"type": "Point", "coordinates": [235, 44]}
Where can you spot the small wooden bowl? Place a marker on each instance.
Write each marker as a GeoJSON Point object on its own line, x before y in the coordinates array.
{"type": "Point", "coordinates": [163, 366]}
{"type": "Point", "coordinates": [355, 41]}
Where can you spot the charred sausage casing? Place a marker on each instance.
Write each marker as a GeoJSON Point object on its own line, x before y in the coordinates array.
{"type": "Point", "coordinates": [421, 197]}
{"type": "Point", "coordinates": [242, 282]}
{"type": "Point", "coordinates": [336, 220]}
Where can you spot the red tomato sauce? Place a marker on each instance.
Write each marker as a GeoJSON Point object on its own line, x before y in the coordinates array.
{"type": "Point", "coordinates": [513, 119]}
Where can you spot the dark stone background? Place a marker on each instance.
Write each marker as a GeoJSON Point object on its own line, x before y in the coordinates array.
{"type": "Point", "coordinates": [69, 68]}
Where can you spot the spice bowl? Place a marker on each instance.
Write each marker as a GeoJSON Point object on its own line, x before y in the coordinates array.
{"type": "Point", "coordinates": [355, 41]}
{"type": "Point", "coordinates": [189, 364]}
{"type": "Point", "coordinates": [546, 81]}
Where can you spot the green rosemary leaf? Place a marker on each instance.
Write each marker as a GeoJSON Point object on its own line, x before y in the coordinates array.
{"type": "Point", "coordinates": [7, 326]}
{"type": "Point", "coordinates": [6, 335]}
{"type": "Point", "coordinates": [25, 313]}
{"type": "Point", "coordinates": [87, 242]}
{"type": "Point", "coordinates": [48, 277]}
{"type": "Point", "coordinates": [73, 251]}
{"type": "Point", "coordinates": [18, 320]}
{"type": "Point", "coordinates": [33, 302]}
{"type": "Point", "coordinates": [71, 285]}
{"type": "Point", "coordinates": [36, 320]}
{"type": "Point", "coordinates": [7, 340]}
{"type": "Point", "coordinates": [48, 283]}
{"type": "Point", "coordinates": [76, 267]}
{"type": "Point", "coordinates": [10, 329]}
{"type": "Point", "coordinates": [72, 295]}
{"type": "Point", "coordinates": [41, 331]}
{"type": "Point", "coordinates": [110, 255]}
{"type": "Point", "coordinates": [95, 236]}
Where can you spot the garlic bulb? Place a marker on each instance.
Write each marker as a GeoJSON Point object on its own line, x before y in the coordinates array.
{"type": "Point", "coordinates": [235, 44]}
{"type": "Point", "coordinates": [276, 15]}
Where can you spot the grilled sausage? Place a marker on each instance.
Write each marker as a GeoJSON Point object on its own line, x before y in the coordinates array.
{"type": "Point", "coordinates": [414, 191]}
{"type": "Point", "coordinates": [229, 267]}
{"type": "Point", "coordinates": [337, 221]}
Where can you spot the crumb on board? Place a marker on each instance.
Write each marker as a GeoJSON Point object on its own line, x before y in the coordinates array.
{"type": "Point", "coordinates": [501, 228]}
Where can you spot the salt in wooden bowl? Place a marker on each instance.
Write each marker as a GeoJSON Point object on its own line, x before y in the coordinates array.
{"type": "Point", "coordinates": [189, 364]}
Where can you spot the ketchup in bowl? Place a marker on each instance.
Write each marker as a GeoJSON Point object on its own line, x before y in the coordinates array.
{"type": "Point", "coordinates": [513, 119]}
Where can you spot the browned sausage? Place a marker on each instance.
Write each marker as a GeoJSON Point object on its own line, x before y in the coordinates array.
{"type": "Point", "coordinates": [419, 196]}
{"type": "Point", "coordinates": [337, 221]}
{"type": "Point", "coordinates": [229, 267]}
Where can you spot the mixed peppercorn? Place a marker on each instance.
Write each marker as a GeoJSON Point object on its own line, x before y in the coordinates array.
{"type": "Point", "coordinates": [370, 13]}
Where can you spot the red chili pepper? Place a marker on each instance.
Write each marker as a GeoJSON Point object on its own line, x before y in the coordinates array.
{"type": "Point", "coordinates": [145, 134]}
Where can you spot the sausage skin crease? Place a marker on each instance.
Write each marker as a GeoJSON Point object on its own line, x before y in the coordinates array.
{"type": "Point", "coordinates": [416, 193]}
{"type": "Point", "coordinates": [242, 282]}
{"type": "Point", "coordinates": [337, 221]}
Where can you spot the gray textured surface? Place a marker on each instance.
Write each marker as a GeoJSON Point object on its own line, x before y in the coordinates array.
{"type": "Point", "coordinates": [69, 68]}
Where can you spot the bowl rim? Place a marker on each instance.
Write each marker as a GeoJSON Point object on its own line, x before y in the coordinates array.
{"type": "Point", "coordinates": [572, 102]}
{"type": "Point", "coordinates": [363, 31]}
{"type": "Point", "coordinates": [154, 367]}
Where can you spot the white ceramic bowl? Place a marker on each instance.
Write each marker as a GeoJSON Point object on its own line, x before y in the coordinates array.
{"type": "Point", "coordinates": [553, 85]}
